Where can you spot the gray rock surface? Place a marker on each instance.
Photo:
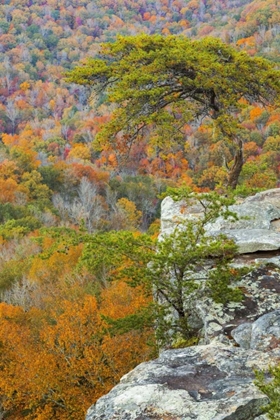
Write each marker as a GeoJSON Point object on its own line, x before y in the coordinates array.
{"type": "Point", "coordinates": [261, 288]}
{"type": "Point", "coordinates": [269, 196]}
{"type": "Point", "coordinates": [253, 240]}
{"type": "Point", "coordinates": [202, 382]}
{"type": "Point", "coordinates": [262, 335]}
{"type": "Point", "coordinates": [258, 227]}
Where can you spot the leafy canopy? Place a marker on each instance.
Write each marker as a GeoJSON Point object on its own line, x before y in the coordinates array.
{"type": "Point", "coordinates": [161, 83]}
{"type": "Point", "coordinates": [158, 80]}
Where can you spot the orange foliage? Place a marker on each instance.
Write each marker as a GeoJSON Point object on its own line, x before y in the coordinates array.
{"type": "Point", "coordinates": [89, 172]}
{"type": "Point", "coordinates": [120, 300]}
{"type": "Point", "coordinates": [186, 180]}
{"type": "Point", "coordinates": [213, 177]}
{"type": "Point", "coordinates": [249, 42]}
{"type": "Point", "coordinates": [112, 160]}
{"type": "Point", "coordinates": [263, 181]}
{"type": "Point", "coordinates": [56, 363]}
{"type": "Point", "coordinates": [8, 188]}
{"type": "Point", "coordinates": [146, 16]}
{"type": "Point", "coordinates": [9, 139]}
{"type": "Point", "coordinates": [193, 5]}
{"type": "Point", "coordinates": [165, 31]}
{"type": "Point", "coordinates": [52, 365]}
{"type": "Point", "coordinates": [21, 148]}
{"type": "Point", "coordinates": [8, 169]}
{"type": "Point", "coordinates": [205, 30]}
{"type": "Point", "coordinates": [255, 112]}
{"type": "Point", "coordinates": [274, 117]}
{"type": "Point", "coordinates": [153, 19]}
{"type": "Point", "coordinates": [184, 23]}
{"type": "Point", "coordinates": [250, 149]}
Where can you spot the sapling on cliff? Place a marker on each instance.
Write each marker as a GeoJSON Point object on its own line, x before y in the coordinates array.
{"type": "Point", "coordinates": [178, 270]}
{"type": "Point", "coordinates": [190, 265]}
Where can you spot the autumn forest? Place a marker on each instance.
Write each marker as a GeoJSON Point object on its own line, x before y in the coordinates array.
{"type": "Point", "coordinates": [86, 155]}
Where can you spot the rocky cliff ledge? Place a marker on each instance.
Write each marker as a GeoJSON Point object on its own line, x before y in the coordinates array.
{"type": "Point", "coordinates": [258, 227]}
{"type": "Point", "coordinates": [201, 382]}
{"type": "Point", "coordinates": [214, 381]}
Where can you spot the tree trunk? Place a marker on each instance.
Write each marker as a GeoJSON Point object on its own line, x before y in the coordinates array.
{"type": "Point", "coordinates": [236, 168]}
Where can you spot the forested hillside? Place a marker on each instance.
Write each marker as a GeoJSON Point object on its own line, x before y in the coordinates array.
{"type": "Point", "coordinates": [73, 209]}
{"type": "Point", "coordinates": [40, 41]}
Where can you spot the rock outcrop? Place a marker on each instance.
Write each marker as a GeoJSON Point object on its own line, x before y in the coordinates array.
{"type": "Point", "coordinates": [262, 334]}
{"type": "Point", "coordinates": [258, 227]}
{"type": "Point", "coordinates": [215, 380]}
{"type": "Point", "coordinates": [257, 235]}
{"type": "Point", "coordinates": [201, 382]}
{"type": "Point", "coordinates": [261, 289]}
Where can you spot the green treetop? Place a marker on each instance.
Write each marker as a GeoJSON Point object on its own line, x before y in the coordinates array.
{"type": "Point", "coordinates": [160, 83]}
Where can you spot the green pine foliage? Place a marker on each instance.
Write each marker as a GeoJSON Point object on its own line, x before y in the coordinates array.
{"type": "Point", "coordinates": [160, 83]}
{"type": "Point", "coordinates": [270, 387]}
{"type": "Point", "coordinates": [189, 266]}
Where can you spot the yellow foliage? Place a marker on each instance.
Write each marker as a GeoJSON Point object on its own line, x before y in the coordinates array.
{"type": "Point", "coordinates": [80, 151]}
{"type": "Point", "coordinates": [132, 216]}
{"type": "Point", "coordinates": [24, 86]}
{"type": "Point", "coordinates": [60, 263]}
{"type": "Point", "coordinates": [120, 300]}
{"type": "Point", "coordinates": [8, 169]}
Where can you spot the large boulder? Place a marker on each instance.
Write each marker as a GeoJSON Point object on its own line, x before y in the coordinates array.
{"type": "Point", "coordinates": [261, 289]}
{"type": "Point", "coordinates": [203, 382]}
{"type": "Point", "coordinates": [262, 334]}
{"type": "Point", "coordinates": [257, 227]}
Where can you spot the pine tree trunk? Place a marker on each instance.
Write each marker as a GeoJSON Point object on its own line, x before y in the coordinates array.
{"type": "Point", "coordinates": [236, 168]}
